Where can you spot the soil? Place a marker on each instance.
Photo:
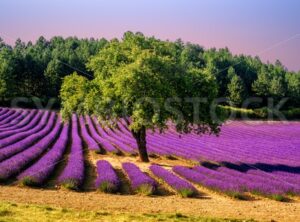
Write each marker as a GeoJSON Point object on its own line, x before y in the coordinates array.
{"type": "Point", "coordinates": [212, 205]}
{"type": "Point", "coordinates": [207, 204]}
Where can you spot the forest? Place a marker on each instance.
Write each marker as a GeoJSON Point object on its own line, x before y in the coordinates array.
{"type": "Point", "coordinates": [38, 69]}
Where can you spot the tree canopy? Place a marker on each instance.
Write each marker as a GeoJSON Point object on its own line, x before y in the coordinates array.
{"type": "Point", "coordinates": [147, 82]}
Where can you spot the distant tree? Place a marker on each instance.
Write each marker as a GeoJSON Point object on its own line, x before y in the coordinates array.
{"type": "Point", "coordinates": [2, 43]}
{"type": "Point", "coordinates": [231, 73]}
{"type": "Point", "coordinates": [136, 77]}
{"type": "Point", "coordinates": [69, 55]}
{"type": "Point", "coordinates": [293, 87]}
{"type": "Point", "coordinates": [192, 55]}
{"type": "Point", "coordinates": [261, 85]}
{"type": "Point", "coordinates": [7, 77]}
{"type": "Point", "coordinates": [221, 59]}
{"type": "Point", "coordinates": [236, 88]}
{"type": "Point", "coordinates": [73, 93]}
{"type": "Point", "coordinates": [277, 87]}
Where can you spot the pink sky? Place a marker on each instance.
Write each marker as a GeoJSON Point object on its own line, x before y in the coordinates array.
{"type": "Point", "coordinates": [269, 29]}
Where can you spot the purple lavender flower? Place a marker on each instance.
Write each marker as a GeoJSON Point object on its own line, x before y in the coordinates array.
{"type": "Point", "coordinates": [107, 180]}
{"type": "Point", "coordinates": [21, 126]}
{"type": "Point", "coordinates": [91, 143]}
{"type": "Point", "coordinates": [184, 188]}
{"type": "Point", "coordinates": [42, 131]}
{"type": "Point", "coordinates": [73, 175]}
{"type": "Point", "coordinates": [140, 182]}
{"type": "Point", "coordinates": [34, 127]}
{"type": "Point", "coordinates": [105, 144]}
{"type": "Point", "coordinates": [15, 164]}
{"type": "Point", "coordinates": [39, 172]}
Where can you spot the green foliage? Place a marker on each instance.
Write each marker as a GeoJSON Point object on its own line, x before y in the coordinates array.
{"type": "Point", "coordinates": [278, 197]}
{"type": "Point", "coordinates": [107, 187]}
{"type": "Point", "coordinates": [7, 77]}
{"type": "Point", "coordinates": [293, 88]}
{"type": "Point", "coordinates": [187, 193]}
{"type": "Point", "coordinates": [37, 69]}
{"type": "Point", "coordinates": [138, 75]}
{"type": "Point", "coordinates": [72, 94]}
{"type": "Point", "coordinates": [260, 113]}
{"type": "Point", "coordinates": [293, 113]}
{"type": "Point", "coordinates": [28, 181]}
{"type": "Point", "coordinates": [70, 184]}
{"type": "Point", "coordinates": [238, 112]}
{"type": "Point", "coordinates": [236, 88]}
{"type": "Point", "coordinates": [142, 79]}
{"type": "Point", "coordinates": [277, 87]}
{"type": "Point", "coordinates": [262, 83]}
{"type": "Point", "coordinates": [146, 189]}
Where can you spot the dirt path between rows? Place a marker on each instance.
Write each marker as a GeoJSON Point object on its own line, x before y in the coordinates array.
{"type": "Point", "coordinates": [212, 206]}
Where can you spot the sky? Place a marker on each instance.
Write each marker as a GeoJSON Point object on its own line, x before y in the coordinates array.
{"type": "Point", "coordinates": [267, 28]}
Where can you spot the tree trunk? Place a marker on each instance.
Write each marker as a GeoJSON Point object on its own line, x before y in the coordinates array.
{"type": "Point", "coordinates": [140, 138]}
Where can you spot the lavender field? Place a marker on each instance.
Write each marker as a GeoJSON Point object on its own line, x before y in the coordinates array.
{"type": "Point", "coordinates": [257, 158]}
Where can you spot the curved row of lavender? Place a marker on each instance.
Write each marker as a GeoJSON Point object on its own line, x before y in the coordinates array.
{"type": "Point", "coordinates": [184, 188]}
{"type": "Point", "coordinates": [107, 179]}
{"type": "Point", "coordinates": [139, 181]}
{"type": "Point", "coordinates": [38, 173]}
{"type": "Point", "coordinates": [15, 164]}
{"type": "Point", "coordinates": [73, 174]}
{"type": "Point", "coordinates": [21, 125]}
{"type": "Point", "coordinates": [41, 130]}
{"type": "Point", "coordinates": [106, 145]}
{"type": "Point", "coordinates": [33, 127]}
{"type": "Point", "coordinates": [90, 141]}
{"type": "Point", "coordinates": [235, 184]}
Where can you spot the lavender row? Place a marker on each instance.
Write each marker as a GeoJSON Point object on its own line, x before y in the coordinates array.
{"type": "Point", "coordinates": [73, 175]}
{"type": "Point", "coordinates": [222, 185]}
{"type": "Point", "coordinates": [101, 141]}
{"type": "Point", "coordinates": [140, 182]}
{"type": "Point", "coordinates": [233, 182]}
{"type": "Point", "coordinates": [9, 113]}
{"type": "Point", "coordinates": [15, 121]}
{"type": "Point", "coordinates": [184, 188]}
{"type": "Point", "coordinates": [39, 172]}
{"type": "Point", "coordinates": [113, 140]}
{"type": "Point", "coordinates": [107, 180]}
{"type": "Point", "coordinates": [21, 126]}
{"type": "Point", "coordinates": [3, 111]}
{"type": "Point", "coordinates": [15, 164]}
{"type": "Point", "coordinates": [11, 117]}
{"type": "Point", "coordinates": [21, 145]}
{"type": "Point", "coordinates": [34, 128]}
{"type": "Point", "coordinates": [90, 141]}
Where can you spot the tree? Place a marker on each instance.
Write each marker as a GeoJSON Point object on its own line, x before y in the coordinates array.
{"type": "Point", "coordinates": [69, 55]}
{"type": "Point", "coordinates": [72, 93]}
{"type": "Point", "coordinates": [231, 73]}
{"type": "Point", "coordinates": [6, 73]}
{"type": "Point", "coordinates": [139, 79]}
{"type": "Point", "coordinates": [221, 59]}
{"type": "Point", "coordinates": [293, 87]}
{"type": "Point", "coordinates": [2, 43]}
{"type": "Point", "coordinates": [262, 84]}
{"type": "Point", "coordinates": [236, 88]}
{"type": "Point", "coordinates": [277, 87]}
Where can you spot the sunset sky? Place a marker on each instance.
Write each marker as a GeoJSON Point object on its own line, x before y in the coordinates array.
{"type": "Point", "coordinates": [269, 28]}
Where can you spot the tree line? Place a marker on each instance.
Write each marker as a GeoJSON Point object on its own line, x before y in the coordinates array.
{"type": "Point", "coordinates": [37, 69]}
{"type": "Point", "coordinates": [147, 83]}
